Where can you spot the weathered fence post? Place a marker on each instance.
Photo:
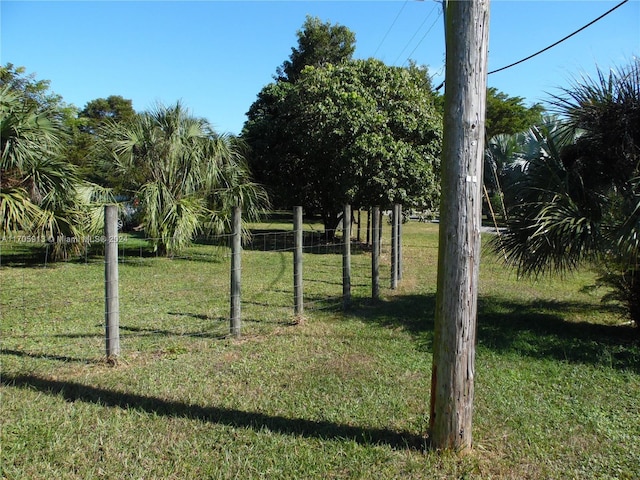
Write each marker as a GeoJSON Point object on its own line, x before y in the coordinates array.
{"type": "Point", "coordinates": [368, 226]}
{"type": "Point", "coordinates": [298, 292]}
{"type": "Point", "coordinates": [400, 219]}
{"type": "Point", "coordinates": [111, 296]}
{"type": "Point", "coordinates": [380, 223]}
{"type": "Point", "coordinates": [394, 247]}
{"type": "Point", "coordinates": [236, 271]}
{"type": "Point", "coordinates": [346, 256]}
{"type": "Point", "coordinates": [375, 253]}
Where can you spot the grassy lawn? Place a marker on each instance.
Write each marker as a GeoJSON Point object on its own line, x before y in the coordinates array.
{"type": "Point", "coordinates": [336, 395]}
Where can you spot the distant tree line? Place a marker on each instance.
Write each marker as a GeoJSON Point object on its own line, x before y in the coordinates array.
{"type": "Point", "coordinates": [171, 172]}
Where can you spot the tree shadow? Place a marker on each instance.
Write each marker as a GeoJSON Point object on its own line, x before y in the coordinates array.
{"type": "Point", "coordinates": [151, 332]}
{"type": "Point", "coordinates": [47, 356]}
{"type": "Point", "coordinates": [321, 429]}
{"type": "Point", "coordinates": [536, 329]}
{"type": "Point", "coordinates": [27, 255]}
{"type": "Point", "coordinates": [196, 316]}
{"type": "Point", "coordinates": [539, 329]}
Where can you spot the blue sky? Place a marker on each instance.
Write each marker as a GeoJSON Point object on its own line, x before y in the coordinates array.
{"type": "Point", "coordinates": [215, 56]}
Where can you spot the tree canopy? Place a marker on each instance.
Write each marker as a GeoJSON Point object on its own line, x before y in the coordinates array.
{"type": "Point", "coordinates": [187, 177]}
{"type": "Point", "coordinates": [86, 130]}
{"type": "Point", "coordinates": [319, 44]}
{"type": "Point", "coordinates": [357, 131]}
{"type": "Point", "coordinates": [508, 115]}
{"type": "Point", "coordinates": [34, 92]}
{"type": "Point", "coordinates": [98, 111]}
{"type": "Point", "coordinates": [180, 175]}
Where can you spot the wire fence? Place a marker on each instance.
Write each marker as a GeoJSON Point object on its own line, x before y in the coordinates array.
{"type": "Point", "coordinates": [56, 310]}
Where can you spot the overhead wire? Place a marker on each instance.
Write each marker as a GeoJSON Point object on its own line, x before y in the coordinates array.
{"type": "Point", "coordinates": [392, 24]}
{"type": "Point", "coordinates": [553, 44]}
{"type": "Point", "coordinates": [422, 39]}
{"type": "Point", "coordinates": [413, 36]}
{"type": "Point", "coordinates": [559, 41]}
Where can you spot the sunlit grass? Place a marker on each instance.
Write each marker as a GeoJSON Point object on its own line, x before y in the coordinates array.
{"type": "Point", "coordinates": [336, 395]}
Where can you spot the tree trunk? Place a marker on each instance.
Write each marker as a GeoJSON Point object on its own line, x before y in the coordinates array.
{"type": "Point", "coordinates": [452, 382]}
{"type": "Point", "coordinates": [331, 220]}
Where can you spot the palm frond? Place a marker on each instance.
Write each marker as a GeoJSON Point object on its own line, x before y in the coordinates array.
{"type": "Point", "coordinates": [17, 212]}
{"type": "Point", "coordinates": [190, 177]}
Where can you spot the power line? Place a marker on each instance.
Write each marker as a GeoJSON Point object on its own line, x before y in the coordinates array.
{"type": "Point", "coordinates": [552, 45]}
{"type": "Point", "coordinates": [392, 24]}
{"type": "Point", "coordinates": [423, 37]}
{"type": "Point", "coordinates": [413, 36]}
{"type": "Point", "coordinates": [559, 41]}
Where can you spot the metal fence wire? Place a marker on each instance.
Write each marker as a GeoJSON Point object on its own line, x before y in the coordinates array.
{"type": "Point", "coordinates": [59, 309]}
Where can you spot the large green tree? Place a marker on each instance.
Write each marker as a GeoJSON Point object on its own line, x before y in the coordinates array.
{"type": "Point", "coordinates": [34, 92]}
{"type": "Point", "coordinates": [85, 130]}
{"type": "Point", "coordinates": [99, 110]}
{"type": "Point", "coordinates": [578, 196]}
{"type": "Point", "coordinates": [509, 115]}
{"type": "Point", "coordinates": [319, 44]}
{"type": "Point", "coordinates": [356, 131]}
{"type": "Point", "coordinates": [188, 177]}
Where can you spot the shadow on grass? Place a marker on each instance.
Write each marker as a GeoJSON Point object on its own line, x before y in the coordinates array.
{"type": "Point", "coordinates": [47, 356]}
{"type": "Point", "coordinates": [196, 316]}
{"type": "Point", "coordinates": [152, 332]}
{"type": "Point", "coordinates": [37, 255]}
{"type": "Point", "coordinates": [73, 392]}
{"type": "Point", "coordinates": [534, 329]}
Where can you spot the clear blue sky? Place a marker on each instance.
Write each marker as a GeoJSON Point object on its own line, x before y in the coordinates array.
{"type": "Point", "coordinates": [215, 56]}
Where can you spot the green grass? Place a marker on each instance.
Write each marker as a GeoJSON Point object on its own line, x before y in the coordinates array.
{"type": "Point", "coordinates": [336, 395]}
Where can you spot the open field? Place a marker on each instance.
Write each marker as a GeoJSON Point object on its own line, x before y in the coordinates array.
{"type": "Point", "coordinates": [337, 395]}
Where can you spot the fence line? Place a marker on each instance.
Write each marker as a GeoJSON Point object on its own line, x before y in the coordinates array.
{"type": "Point", "coordinates": [49, 315]}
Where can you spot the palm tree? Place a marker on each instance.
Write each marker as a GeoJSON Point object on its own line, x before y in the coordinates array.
{"type": "Point", "coordinates": [500, 158]}
{"type": "Point", "coordinates": [40, 192]}
{"type": "Point", "coordinates": [26, 137]}
{"type": "Point", "coordinates": [579, 195]}
{"type": "Point", "coordinates": [187, 177]}
{"type": "Point", "coordinates": [544, 219]}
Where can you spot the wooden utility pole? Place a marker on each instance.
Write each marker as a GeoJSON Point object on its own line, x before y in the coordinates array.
{"type": "Point", "coordinates": [452, 381]}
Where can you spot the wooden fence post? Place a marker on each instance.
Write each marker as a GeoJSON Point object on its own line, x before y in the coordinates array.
{"type": "Point", "coordinates": [399, 256]}
{"type": "Point", "coordinates": [375, 253]}
{"type": "Point", "coordinates": [346, 256]}
{"type": "Point", "coordinates": [298, 292]}
{"type": "Point", "coordinates": [236, 271]}
{"type": "Point", "coordinates": [368, 226]}
{"type": "Point", "coordinates": [111, 292]}
{"type": "Point", "coordinates": [394, 247]}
